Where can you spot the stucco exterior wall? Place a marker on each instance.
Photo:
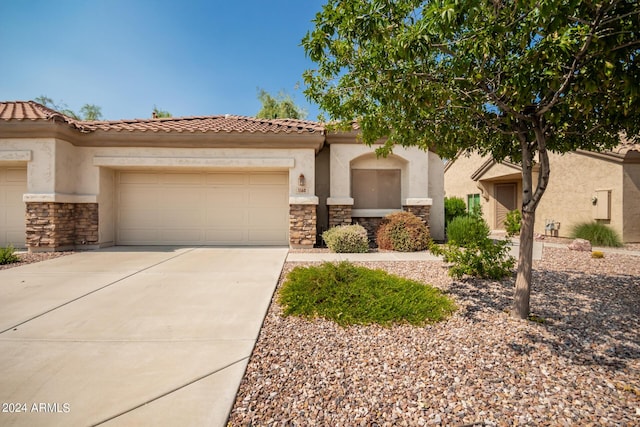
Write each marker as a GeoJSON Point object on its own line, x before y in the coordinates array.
{"type": "Point", "coordinates": [573, 180]}
{"type": "Point", "coordinates": [631, 196]}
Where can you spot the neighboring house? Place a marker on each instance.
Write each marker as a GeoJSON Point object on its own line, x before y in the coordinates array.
{"type": "Point", "coordinates": [583, 186]}
{"type": "Point", "coordinates": [218, 180]}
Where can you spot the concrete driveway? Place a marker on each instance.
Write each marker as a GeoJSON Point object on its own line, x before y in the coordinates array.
{"type": "Point", "coordinates": [131, 336]}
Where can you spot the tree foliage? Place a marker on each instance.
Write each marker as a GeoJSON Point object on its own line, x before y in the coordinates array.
{"type": "Point", "coordinates": [513, 79]}
{"type": "Point", "coordinates": [160, 114]}
{"type": "Point", "coordinates": [87, 112]}
{"type": "Point", "coordinates": [281, 106]}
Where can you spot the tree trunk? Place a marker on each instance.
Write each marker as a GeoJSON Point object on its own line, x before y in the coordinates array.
{"type": "Point", "coordinates": [530, 200]}
{"type": "Point", "coordinates": [525, 256]}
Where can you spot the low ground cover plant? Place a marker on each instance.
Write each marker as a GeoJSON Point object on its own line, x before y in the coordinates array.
{"type": "Point", "coordinates": [349, 295]}
{"type": "Point", "coordinates": [598, 234]}
{"type": "Point", "coordinates": [347, 239]}
{"type": "Point", "coordinates": [8, 255]}
{"type": "Point", "coordinates": [403, 232]}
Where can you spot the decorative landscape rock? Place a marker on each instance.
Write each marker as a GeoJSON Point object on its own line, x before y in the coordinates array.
{"type": "Point", "coordinates": [580, 245]}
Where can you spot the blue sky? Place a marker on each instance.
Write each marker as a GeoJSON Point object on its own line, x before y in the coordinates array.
{"type": "Point", "coordinates": [187, 57]}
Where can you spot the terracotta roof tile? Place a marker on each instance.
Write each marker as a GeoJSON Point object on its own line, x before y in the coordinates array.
{"type": "Point", "coordinates": [626, 145]}
{"type": "Point", "coordinates": [30, 110]}
{"type": "Point", "coordinates": [202, 124]}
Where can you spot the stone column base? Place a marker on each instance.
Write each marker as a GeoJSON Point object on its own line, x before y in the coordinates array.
{"type": "Point", "coordinates": [53, 226]}
{"type": "Point", "coordinates": [421, 211]}
{"type": "Point", "coordinates": [339, 215]}
{"type": "Point", "coordinates": [302, 226]}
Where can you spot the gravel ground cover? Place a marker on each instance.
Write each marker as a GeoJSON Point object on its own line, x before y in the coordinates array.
{"type": "Point", "coordinates": [27, 258]}
{"type": "Point", "coordinates": [578, 365]}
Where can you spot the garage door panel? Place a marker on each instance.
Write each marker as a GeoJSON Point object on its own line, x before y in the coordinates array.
{"type": "Point", "coordinates": [268, 179]}
{"type": "Point", "coordinates": [180, 236]}
{"type": "Point", "coordinates": [226, 218]}
{"type": "Point", "coordinates": [223, 236]}
{"type": "Point", "coordinates": [138, 178]}
{"type": "Point", "coordinates": [204, 208]}
{"type": "Point", "coordinates": [265, 197]}
{"type": "Point", "coordinates": [186, 218]}
{"type": "Point", "coordinates": [137, 236]}
{"type": "Point", "coordinates": [226, 179]}
{"type": "Point", "coordinates": [139, 196]}
{"type": "Point", "coordinates": [226, 197]}
{"type": "Point", "coordinates": [13, 185]}
{"type": "Point", "coordinates": [138, 219]}
{"type": "Point", "coordinates": [182, 178]}
{"type": "Point", "coordinates": [267, 237]}
{"type": "Point", "coordinates": [267, 218]}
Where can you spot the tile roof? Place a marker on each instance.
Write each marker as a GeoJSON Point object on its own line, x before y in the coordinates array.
{"type": "Point", "coordinates": [30, 110]}
{"type": "Point", "coordinates": [626, 145]}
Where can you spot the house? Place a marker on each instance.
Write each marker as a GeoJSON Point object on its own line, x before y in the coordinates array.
{"type": "Point", "coordinates": [583, 186]}
{"type": "Point", "coordinates": [215, 180]}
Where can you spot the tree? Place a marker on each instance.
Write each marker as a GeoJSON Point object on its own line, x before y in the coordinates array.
{"type": "Point", "coordinates": [160, 114]}
{"type": "Point", "coordinates": [91, 112]}
{"type": "Point", "coordinates": [279, 107]}
{"type": "Point", "coordinates": [513, 79]}
{"type": "Point", "coordinates": [87, 112]}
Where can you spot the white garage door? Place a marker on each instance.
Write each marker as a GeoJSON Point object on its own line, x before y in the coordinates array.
{"type": "Point", "coordinates": [206, 208]}
{"type": "Point", "coordinates": [13, 184]}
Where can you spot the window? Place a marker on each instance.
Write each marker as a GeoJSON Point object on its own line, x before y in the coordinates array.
{"type": "Point", "coordinates": [376, 189]}
{"type": "Point", "coordinates": [473, 202]}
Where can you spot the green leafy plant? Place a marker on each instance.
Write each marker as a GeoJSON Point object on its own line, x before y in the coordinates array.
{"type": "Point", "coordinates": [453, 207]}
{"type": "Point", "coordinates": [347, 239]}
{"type": "Point", "coordinates": [468, 229]}
{"type": "Point", "coordinates": [598, 234]}
{"type": "Point", "coordinates": [512, 222]}
{"type": "Point", "coordinates": [403, 232]}
{"type": "Point", "coordinates": [482, 258]}
{"type": "Point", "coordinates": [8, 255]}
{"type": "Point", "coordinates": [349, 294]}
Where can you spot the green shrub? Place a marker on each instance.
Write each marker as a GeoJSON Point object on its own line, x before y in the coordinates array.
{"type": "Point", "coordinates": [598, 234]}
{"type": "Point", "coordinates": [466, 230]}
{"type": "Point", "coordinates": [482, 258]}
{"type": "Point", "coordinates": [8, 255]}
{"type": "Point", "coordinates": [453, 207]}
{"type": "Point", "coordinates": [347, 239]}
{"type": "Point", "coordinates": [348, 295]}
{"type": "Point", "coordinates": [512, 222]}
{"type": "Point", "coordinates": [403, 232]}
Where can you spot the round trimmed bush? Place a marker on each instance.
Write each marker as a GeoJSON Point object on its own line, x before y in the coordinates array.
{"type": "Point", "coordinates": [403, 232]}
{"type": "Point", "coordinates": [347, 239]}
{"type": "Point", "coordinates": [468, 229]}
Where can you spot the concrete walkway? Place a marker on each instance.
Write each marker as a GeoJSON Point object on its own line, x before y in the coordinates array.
{"type": "Point", "coordinates": [389, 256]}
{"type": "Point", "coordinates": [132, 336]}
